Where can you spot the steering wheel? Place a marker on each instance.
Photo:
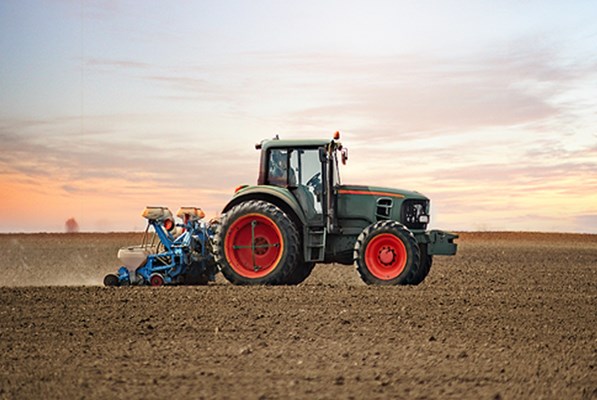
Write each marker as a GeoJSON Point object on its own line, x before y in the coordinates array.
{"type": "Point", "coordinates": [315, 181]}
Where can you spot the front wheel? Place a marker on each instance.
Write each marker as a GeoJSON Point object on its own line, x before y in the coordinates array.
{"type": "Point", "coordinates": [424, 267]}
{"type": "Point", "coordinates": [257, 244]}
{"type": "Point", "coordinates": [386, 253]}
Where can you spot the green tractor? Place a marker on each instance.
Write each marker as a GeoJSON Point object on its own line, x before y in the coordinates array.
{"type": "Point", "coordinates": [299, 214]}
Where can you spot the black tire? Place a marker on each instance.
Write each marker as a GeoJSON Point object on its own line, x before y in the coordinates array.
{"type": "Point", "coordinates": [111, 280]}
{"type": "Point", "coordinates": [301, 273]}
{"type": "Point", "coordinates": [281, 259]}
{"type": "Point", "coordinates": [424, 267]}
{"type": "Point", "coordinates": [196, 274]}
{"type": "Point", "coordinates": [193, 279]}
{"type": "Point", "coordinates": [386, 253]}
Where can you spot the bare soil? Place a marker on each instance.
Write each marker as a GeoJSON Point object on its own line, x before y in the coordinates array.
{"type": "Point", "coordinates": [512, 316]}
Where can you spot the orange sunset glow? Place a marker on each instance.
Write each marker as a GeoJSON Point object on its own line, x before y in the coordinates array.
{"type": "Point", "coordinates": [489, 109]}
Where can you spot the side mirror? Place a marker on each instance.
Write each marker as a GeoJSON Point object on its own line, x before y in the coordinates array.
{"type": "Point", "coordinates": [344, 155]}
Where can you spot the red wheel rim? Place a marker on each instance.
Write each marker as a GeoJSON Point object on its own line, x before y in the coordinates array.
{"type": "Point", "coordinates": [254, 246]}
{"type": "Point", "coordinates": [385, 256]}
{"type": "Point", "coordinates": [156, 280]}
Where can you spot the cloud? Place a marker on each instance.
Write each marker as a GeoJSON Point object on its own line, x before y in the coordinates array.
{"type": "Point", "coordinates": [586, 223]}
{"type": "Point", "coordinates": [173, 164]}
{"type": "Point", "coordinates": [396, 96]}
{"type": "Point", "coordinates": [399, 96]}
{"type": "Point", "coordinates": [115, 63]}
{"type": "Point", "coordinates": [71, 188]}
{"type": "Point", "coordinates": [192, 88]}
{"type": "Point", "coordinates": [488, 132]}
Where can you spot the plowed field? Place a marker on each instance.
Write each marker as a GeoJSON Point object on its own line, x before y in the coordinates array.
{"type": "Point", "coordinates": [512, 316]}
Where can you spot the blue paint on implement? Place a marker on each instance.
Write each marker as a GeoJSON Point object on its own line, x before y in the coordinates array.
{"type": "Point", "coordinates": [170, 253]}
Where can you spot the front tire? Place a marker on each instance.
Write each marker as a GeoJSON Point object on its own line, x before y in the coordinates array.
{"type": "Point", "coordinates": [424, 267]}
{"type": "Point", "coordinates": [257, 244]}
{"type": "Point", "coordinates": [386, 253]}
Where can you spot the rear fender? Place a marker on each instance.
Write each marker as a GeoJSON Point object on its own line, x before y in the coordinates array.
{"type": "Point", "coordinates": [280, 197]}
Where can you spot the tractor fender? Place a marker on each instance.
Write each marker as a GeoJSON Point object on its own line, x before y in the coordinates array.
{"type": "Point", "coordinates": [280, 197]}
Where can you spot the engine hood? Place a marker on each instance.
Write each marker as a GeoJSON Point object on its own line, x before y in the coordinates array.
{"type": "Point", "coordinates": [379, 191]}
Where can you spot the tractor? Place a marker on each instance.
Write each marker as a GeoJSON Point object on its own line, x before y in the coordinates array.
{"type": "Point", "coordinates": [300, 214]}
{"type": "Point", "coordinates": [297, 215]}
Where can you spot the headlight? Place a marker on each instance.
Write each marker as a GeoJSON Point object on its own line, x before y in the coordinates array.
{"type": "Point", "coordinates": [414, 213]}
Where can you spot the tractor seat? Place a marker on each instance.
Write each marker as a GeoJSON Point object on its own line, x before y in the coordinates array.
{"type": "Point", "coordinates": [157, 213]}
{"type": "Point", "coordinates": [190, 213]}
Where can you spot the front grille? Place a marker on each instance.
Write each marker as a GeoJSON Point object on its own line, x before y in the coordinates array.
{"type": "Point", "coordinates": [411, 211]}
{"type": "Point", "coordinates": [384, 208]}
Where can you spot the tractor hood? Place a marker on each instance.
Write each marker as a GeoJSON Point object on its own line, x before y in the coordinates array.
{"type": "Point", "coordinates": [378, 191]}
{"type": "Point", "coordinates": [369, 204]}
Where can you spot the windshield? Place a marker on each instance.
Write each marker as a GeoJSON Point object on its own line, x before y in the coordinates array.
{"type": "Point", "coordinates": [294, 167]}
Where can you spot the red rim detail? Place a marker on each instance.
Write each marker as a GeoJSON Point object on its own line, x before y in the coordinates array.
{"type": "Point", "coordinates": [385, 256]}
{"type": "Point", "coordinates": [156, 280]}
{"type": "Point", "coordinates": [254, 245]}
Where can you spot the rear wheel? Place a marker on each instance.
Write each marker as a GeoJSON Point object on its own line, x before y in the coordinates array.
{"type": "Point", "coordinates": [257, 244]}
{"type": "Point", "coordinates": [301, 273]}
{"type": "Point", "coordinates": [386, 253]}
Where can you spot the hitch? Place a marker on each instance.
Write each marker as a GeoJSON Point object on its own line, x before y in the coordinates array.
{"type": "Point", "coordinates": [441, 243]}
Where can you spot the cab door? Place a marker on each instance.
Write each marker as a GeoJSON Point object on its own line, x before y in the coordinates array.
{"type": "Point", "coordinates": [306, 183]}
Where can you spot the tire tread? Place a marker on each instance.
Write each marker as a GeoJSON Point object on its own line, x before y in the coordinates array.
{"type": "Point", "coordinates": [399, 230]}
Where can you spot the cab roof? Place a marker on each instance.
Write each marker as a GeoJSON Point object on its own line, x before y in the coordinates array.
{"type": "Point", "coordinates": [291, 143]}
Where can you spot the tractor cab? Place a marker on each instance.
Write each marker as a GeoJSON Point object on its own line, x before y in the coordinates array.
{"type": "Point", "coordinates": [308, 169]}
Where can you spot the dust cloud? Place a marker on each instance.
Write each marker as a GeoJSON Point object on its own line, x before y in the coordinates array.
{"type": "Point", "coordinates": [61, 259]}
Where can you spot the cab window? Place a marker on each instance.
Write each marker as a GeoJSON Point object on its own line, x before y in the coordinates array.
{"type": "Point", "coordinates": [277, 173]}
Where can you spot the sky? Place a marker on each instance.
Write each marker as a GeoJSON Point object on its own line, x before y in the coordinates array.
{"type": "Point", "coordinates": [489, 108]}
